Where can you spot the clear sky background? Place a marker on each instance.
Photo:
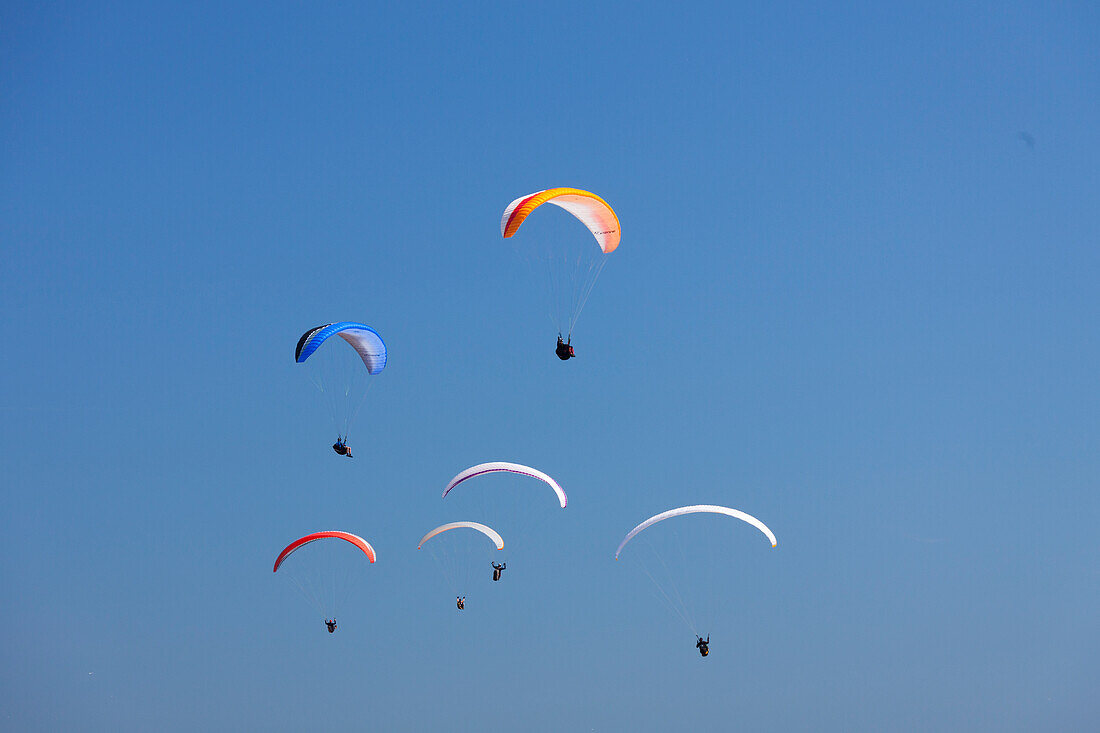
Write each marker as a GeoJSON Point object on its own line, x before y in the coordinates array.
{"type": "Point", "coordinates": [850, 299]}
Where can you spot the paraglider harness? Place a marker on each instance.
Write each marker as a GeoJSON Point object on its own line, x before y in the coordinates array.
{"type": "Point", "coordinates": [461, 603]}
{"type": "Point", "coordinates": [703, 646]}
{"type": "Point", "coordinates": [331, 625]}
{"type": "Point", "coordinates": [341, 447]}
{"type": "Point", "coordinates": [498, 569]}
{"type": "Point", "coordinates": [564, 350]}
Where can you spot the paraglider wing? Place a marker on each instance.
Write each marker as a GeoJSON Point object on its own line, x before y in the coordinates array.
{"type": "Point", "coordinates": [356, 540]}
{"type": "Point", "coordinates": [593, 211]}
{"type": "Point", "coordinates": [697, 509]}
{"type": "Point", "coordinates": [487, 531]}
{"type": "Point", "coordinates": [495, 466]}
{"type": "Point", "coordinates": [364, 339]}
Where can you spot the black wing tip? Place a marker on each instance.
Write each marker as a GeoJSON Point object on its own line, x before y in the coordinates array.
{"type": "Point", "coordinates": [304, 338]}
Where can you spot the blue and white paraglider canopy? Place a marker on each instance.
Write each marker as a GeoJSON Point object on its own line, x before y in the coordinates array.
{"type": "Point", "coordinates": [364, 339]}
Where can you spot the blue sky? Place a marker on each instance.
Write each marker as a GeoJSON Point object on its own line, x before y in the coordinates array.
{"type": "Point", "coordinates": [849, 299]}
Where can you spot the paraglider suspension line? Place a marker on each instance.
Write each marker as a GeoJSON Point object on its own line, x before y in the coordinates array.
{"type": "Point", "coordinates": [591, 283]}
{"type": "Point", "coordinates": [678, 608]}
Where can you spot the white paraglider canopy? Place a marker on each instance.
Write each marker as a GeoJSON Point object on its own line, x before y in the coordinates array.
{"type": "Point", "coordinates": [487, 531]}
{"type": "Point", "coordinates": [498, 466]}
{"type": "Point", "coordinates": [697, 509]}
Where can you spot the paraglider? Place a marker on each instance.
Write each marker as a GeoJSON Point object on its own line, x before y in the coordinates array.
{"type": "Point", "coordinates": [498, 569]}
{"type": "Point", "coordinates": [323, 576]}
{"type": "Point", "coordinates": [570, 261]}
{"type": "Point", "coordinates": [342, 378]}
{"type": "Point", "coordinates": [655, 560]}
{"type": "Point", "coordinates": [498, 466]}
{"type": "Point", "coordinates": [453, 559]}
